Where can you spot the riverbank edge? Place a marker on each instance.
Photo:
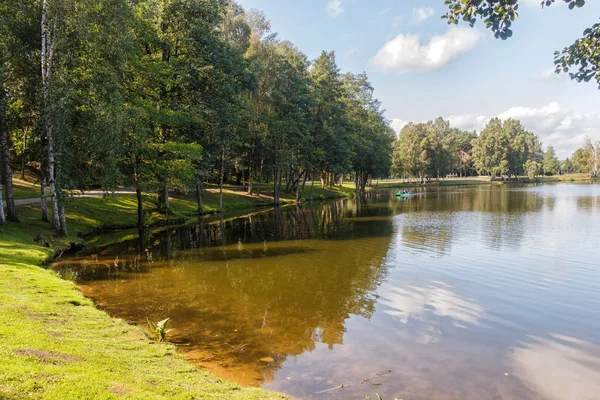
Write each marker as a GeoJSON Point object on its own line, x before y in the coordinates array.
{"type": "Point", "coordinates": [56, 344]}
{"type": "Point", "coordinates": [473, 181]}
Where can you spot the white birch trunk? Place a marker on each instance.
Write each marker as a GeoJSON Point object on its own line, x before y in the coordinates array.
{"type": "Point", "coordinates": [46, 58]}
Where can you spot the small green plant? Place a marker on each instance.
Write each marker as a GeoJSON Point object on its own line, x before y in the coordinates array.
{"type": "Point", "coordinates": [378, 397]}
{"type": "Point", "coordinates": [159, 329]}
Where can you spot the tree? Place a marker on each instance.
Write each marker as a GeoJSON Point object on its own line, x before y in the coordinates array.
{"type": "Point", "coordinates": [491, 149]}
{"type": "Point", "coordinates": [425, 150]}
{"type": "Point", "coordinates": [504, 148]}
{"type": "Point", "coordinates": [532, 168]}
{"type": "Point", "coordinates": [5, 173]}
{"type": "Point", "coordinates": [550, 163]}
{"type": "Point", "coordinates": [593, 157]}
{"type": "Point", "coordinates": [168, 94]}
{"type": "Point", "coordinates": [332, 141]}
{"type": "Point", "coordinates": [462, 153]}
{"type": "Point", "coordinates": [567, 166]}
{"type": "Point", "coordinates": [370, 132]}
{"type": "Point", "coordinates": [499, 15]}
{"type": "Point", "coordinates": [7, 39]}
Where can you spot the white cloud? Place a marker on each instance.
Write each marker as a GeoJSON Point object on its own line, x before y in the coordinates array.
{"type": "Point", "coordinates": [405, 53]}
{"type": "Point", "coordinates": [557, 126]}
{"type": "Point", "coordinates": [350, 51]}
{"type": "Point", "coordinates": [469, 122]}
{"type": "Point", "coordinates": [421, 14]}
{"type": "Point", "coordinates": [335, 8]}
{"type": "Point", "coordinates": [548, 74]}
{"type": "Point", "coordinates": [398, 124]}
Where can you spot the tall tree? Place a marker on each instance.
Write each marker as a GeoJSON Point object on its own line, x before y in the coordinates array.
{"type": "Point", "coordinates": [371, 135]}
{"type": "Point", "coordinates": [6, 173]}
{"type": "Point", "coordinates": [504, 148]}
{"type": "Point", "coordinates": [50, 21]}
{"type": "Point", "coordinates": [332, 141]}
{"type": "Point", "coordinates": [550, 163]}
{"type": "Point", "coordinates": [6, 177]}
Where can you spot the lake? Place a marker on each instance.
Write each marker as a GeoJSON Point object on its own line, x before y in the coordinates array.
{"type": "Point", "coordinates": [486, 292]}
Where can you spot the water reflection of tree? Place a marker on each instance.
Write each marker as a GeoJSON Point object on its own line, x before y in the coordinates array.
{"type": "Point", "coordinates": [590, 204]}
{"type": "Point", "coordinates": [284, 281]}
{"type": "Point", "coordinates": [432, 221]}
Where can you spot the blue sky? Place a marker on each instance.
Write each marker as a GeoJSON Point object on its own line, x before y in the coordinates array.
{"type": "Point", "coordinates": [422, 68]}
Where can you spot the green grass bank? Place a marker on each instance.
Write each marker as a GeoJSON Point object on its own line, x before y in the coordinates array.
{"type": "Point", "coordinates": [55, 344]}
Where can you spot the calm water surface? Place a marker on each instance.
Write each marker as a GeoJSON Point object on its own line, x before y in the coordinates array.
{"type": "Point", "coordinates": [462, 293]}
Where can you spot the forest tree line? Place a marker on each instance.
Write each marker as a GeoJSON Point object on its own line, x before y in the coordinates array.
{"type": "Point", "coordinates": [434, 150]}
{"type": "Point", "coordinates": [172, 94]}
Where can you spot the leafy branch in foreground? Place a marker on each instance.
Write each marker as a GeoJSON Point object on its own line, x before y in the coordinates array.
{"type": "Point", "coordinates": [584, 53]}
{"type": "Point", "coordinates": [159, 329]}
{"type": "Point", "coordinates": [499, 15]}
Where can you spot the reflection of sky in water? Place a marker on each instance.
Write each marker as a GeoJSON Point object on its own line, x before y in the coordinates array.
{"type": "Point", "coordinates": [415, 302]}
{"type": "Point", "coordinates": [559, 367]}
{"type": "Point", "coordinates": [456, 293]}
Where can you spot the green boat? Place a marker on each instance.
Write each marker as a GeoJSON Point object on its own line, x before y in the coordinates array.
{"type": "Point", "coordinates": [403, 194]}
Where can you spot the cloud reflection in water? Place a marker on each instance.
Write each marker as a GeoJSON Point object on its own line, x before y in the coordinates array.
{"type": "Point", "coordinates": [559, 367]}
{"type": "Point", "coordinates": [423, 304]}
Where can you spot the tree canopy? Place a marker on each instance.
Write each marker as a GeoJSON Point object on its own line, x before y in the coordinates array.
{"type": "Point", "coordinates": [174, 94]}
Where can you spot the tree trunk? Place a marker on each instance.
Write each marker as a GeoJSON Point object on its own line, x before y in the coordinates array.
{"type": "Point", "coordinates": [303, 185]}
{"type": "Point", "coordinates": [23, 155]}
{"type": "Point", "coordinates": [275, 180]}
{"type": "Point", "coordinates": [279, 188]}
{"type": "Point", "coordinates": [250, 180]}
{"type": "Point", "coordinates": [295, 183]}
{"type": "Point", "coordinates": [52, 181]}
{"type": "Point", "coordinates": [140, 208]}
{"type": "Point", "coordinates": [46, 60]}
{"type": "Point", "coordinates": [221, 173]}
{"type": "Point", "coordinates": [163, 201]}
{"type": "Point", "coordinates": [260, 174]}
{"type": "Point", "coordinates": [312, 185]}
{"type": "Point", "coordinates": [199, 197]}
{"type": "Point", "coordinates": [6, 173]}
{"type": "Point", "coordinates": [44, 197]}
{"type": "Point", "coordinates": [2, 216]}
{"type": "Point", "coordinates": [363, 182]}
{"type": "Point", "coordinates": [298, 193]}
{"type": "Point", "coordinates": [62, 218]}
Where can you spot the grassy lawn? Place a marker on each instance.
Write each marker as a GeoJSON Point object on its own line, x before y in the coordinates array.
{"type": "Point", "coordinates": [24, 189]}
{"type": "Point", "coordinates": [54, 344]}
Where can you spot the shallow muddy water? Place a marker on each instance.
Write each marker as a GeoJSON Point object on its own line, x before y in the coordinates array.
{"type": "Point", "coordinates": [488, 292]}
